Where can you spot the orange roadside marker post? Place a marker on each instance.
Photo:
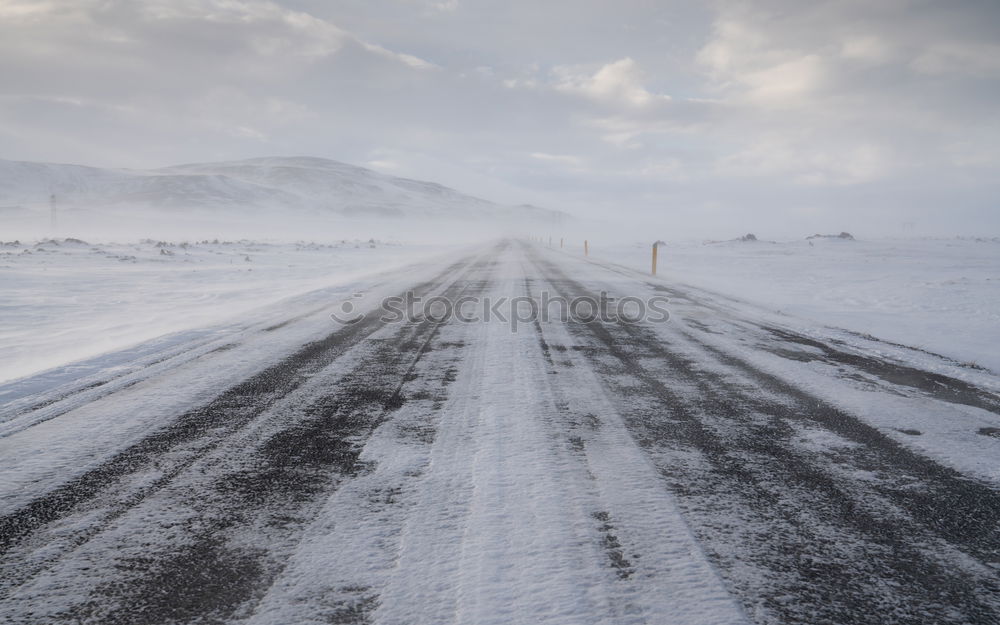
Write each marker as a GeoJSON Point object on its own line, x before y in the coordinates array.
{"type": "Point", "coordinates": [656, 245]}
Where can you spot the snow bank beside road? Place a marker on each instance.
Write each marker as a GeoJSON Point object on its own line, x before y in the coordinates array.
{"type": "Point", "coordinates": [941, 295]}
{"type": "Point", "coordinates": [65, 300]}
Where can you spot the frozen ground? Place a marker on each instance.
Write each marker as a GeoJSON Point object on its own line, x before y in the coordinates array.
{"type": "Point", "coordinates": [65, 300]}
{"type": "Point", "coordinates": [724, 466]}
{"type": "Point", "coordinates": [942, 295]}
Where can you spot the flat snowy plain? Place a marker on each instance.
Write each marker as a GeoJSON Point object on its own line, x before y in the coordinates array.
{"type": "Point", "coordinates": [942, 295]}
{"type": "Point", "coordinates": [65, 299]}
{"type": "Point", "coordinates": [734, 464]}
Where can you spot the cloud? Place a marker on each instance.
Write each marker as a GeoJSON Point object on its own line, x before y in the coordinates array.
{"type": "Point", "coordinates": [755, 107]}
{"type": "Point", "coordinates": [809, 165]}
{"type": "Point", "coordinates": [734, 44]}
{"type": "Point", "coordinates": [406, 59]}
{"type": "Point", "coordinates": [618, 84]}
{"type": "Point", "coordinates": [247, 70]}
{"type": "Point", "coordinates": [217, 30]}
{"type": "Point", "coordinates": [841, 93]}
{"type": "Point", "coordinates": [867, 49]}
{"type": "Point", "coordinates": [434, 6]}
{"type": "Point", "coordinates": [561, 159]}
{"type": "Point", "coordinates": [972, 59]}
{"type": "Point", "coordinates": [26, 10]}
{"type": "Point", "coordinates": [748, 63]}
{"type": "Point", "coordinates": [627, 131]}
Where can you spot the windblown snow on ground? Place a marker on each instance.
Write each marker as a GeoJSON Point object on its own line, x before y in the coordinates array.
{"type": "Point", "coordinates": [719, 466]}
{"type": "Point", "coordinates": [66, 299]}
{"type": "Point", "coordinates": [936, 294]}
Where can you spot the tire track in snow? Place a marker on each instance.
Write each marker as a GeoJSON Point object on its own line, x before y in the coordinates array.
{"type": "Point", "coordinates": [497, 531]}
{"type": "Point", "coordinates": [339, 570]}
{"type": "Point", "coordinates": [456, 473]}
{"type": "Point", "coordinates": [496, 518]}
{"type": "Point", "coordinates": [155, 463]}
{"type": "Point", "coordinates": [270, 496]}
{"type": "Point", "coordinates": [870, 533]}
{"type": "Point", "coordinates": [891, 373]}
{"type": "Point", "coordinates": [648, 544]}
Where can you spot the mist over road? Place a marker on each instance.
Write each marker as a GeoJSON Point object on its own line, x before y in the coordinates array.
{"type": "Point", "coordinates": [715, 467]}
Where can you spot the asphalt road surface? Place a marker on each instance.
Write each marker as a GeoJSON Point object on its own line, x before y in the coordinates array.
{"type": "Point", "coordinates": [716, 467]}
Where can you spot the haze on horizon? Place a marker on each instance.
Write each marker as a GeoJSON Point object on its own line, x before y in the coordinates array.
{"type": "Point", "coordinates": [712, 118]}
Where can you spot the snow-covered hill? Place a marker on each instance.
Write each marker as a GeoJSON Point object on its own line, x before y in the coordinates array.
{"type": "Point", "coordinates": [306, 183]}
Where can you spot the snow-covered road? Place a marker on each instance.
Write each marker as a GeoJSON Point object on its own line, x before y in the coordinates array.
{"type": "Point", "coordinates": [719, 467]}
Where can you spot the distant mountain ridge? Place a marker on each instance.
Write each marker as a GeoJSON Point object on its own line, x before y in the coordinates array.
{"type": "Point", "coordinates": [303, 183]}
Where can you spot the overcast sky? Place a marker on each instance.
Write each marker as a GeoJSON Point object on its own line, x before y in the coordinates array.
{"type": "Point", "coordinates": [773, 116]}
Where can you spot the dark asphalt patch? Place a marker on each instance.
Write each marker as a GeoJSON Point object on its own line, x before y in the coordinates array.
{"type": "Point", "coordinates": [203, 581]}
{"type": "Point", "coordinates": [936, 385]}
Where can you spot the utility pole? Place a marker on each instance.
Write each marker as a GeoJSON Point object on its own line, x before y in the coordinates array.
{"type": "Point", "coordinates": [52, 212]}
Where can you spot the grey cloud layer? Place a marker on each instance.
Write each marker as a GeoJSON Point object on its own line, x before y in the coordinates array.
{"type": "Point", "coordinates": [766, 115]}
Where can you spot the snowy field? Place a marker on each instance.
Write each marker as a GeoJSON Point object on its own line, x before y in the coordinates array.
{"type": "Point", "coordinates": [721, 467]}
{"type": "Point", "coordinates": [66, 299]}
{"type": "Point", "coordinates": [940, 295]}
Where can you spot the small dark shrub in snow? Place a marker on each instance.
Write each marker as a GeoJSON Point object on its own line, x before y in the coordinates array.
{"type": "Point", "coordinates": [843, 235]}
